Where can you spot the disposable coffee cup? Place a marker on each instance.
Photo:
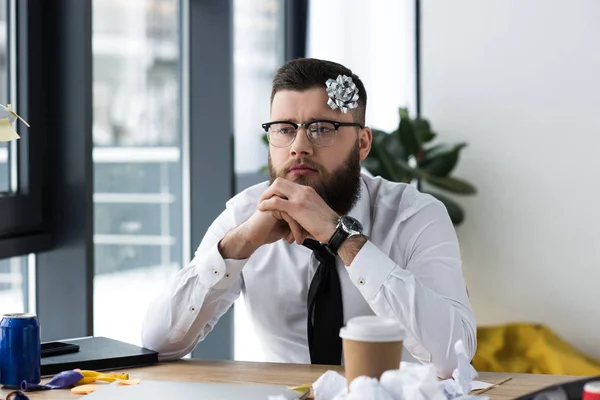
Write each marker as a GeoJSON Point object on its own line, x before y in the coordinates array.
{"type": "Point", "coordinates": [372, 345]}
{"type": "Point", "coordinates": [591, 391]}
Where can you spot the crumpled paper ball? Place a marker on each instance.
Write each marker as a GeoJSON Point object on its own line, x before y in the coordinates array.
{"type": "Point", "coordinates": [411, 382]}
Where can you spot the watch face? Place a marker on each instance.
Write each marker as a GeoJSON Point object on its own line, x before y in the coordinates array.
{"type": "Point", "coordinates": [351, 226]}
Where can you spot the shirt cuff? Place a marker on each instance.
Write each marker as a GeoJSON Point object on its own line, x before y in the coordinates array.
{"type": "Point", "coordinates": [370, 269]}
{"type": "Point", "coordinates": [216, 272]}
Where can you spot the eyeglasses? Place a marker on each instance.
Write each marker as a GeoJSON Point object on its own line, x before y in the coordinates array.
{"type": "Point", "coordinates": [321, 133]}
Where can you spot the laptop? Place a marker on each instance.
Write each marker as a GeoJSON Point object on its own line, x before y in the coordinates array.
{"type": "Point", "coordinates": [99, 354]}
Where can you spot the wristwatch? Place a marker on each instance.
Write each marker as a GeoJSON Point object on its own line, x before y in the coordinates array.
{"type": "Point", "coordinates": [346, 227]}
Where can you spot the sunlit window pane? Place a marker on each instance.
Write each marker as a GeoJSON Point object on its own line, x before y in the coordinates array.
{"type": "Point", "coordinates": [137, 159]}
{"type": "Point", "coordinates": [258, 52]}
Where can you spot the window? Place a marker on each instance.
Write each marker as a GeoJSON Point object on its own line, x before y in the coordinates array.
{"type": "Point", "coordinates": [258, 52]}
{"type": "Point", "coordinates": [137, 159]}
{"type": "Point", "coordinates": [16, 285]}
{"type": "Point", "coordinates": [4, 95]}
{"type": "Point", "coordinates": [22, 223]}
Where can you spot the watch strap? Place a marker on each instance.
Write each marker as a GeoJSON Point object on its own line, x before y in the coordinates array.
{"type": "Point", "coordinates": [336, 240]}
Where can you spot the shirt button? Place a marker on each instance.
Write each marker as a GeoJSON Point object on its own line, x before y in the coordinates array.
{"type": "Point", "coordinates": [361, 281]}
{"type": "Point", "coordinates": [227, 275]}
{"type": "Point", "coordinates": [215, 272]}
{"type": "Point", "coordinates": [192, 308]}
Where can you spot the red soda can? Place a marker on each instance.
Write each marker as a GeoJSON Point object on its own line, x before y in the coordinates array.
{"type": "Point", "coordinates": [591, 391]}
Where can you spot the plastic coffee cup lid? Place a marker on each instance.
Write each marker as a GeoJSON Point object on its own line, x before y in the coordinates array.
{"type": "Point", "coordinates": [372, 329]}
{"type": "Point", "coordinates": [592, 387]}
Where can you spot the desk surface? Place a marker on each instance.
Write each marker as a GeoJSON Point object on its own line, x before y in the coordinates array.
{"type": "Point", "coordinates": [289, 375]}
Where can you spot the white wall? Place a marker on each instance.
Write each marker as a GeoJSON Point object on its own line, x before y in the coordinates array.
{"type": "Point", "coordinates": [519, 80]}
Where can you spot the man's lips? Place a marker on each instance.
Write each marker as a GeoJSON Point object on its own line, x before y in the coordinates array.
{"type": "Point", "coordinates": [301, 169]}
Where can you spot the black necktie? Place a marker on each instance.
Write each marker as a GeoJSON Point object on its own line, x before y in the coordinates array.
{"type": "Point", "coordinates": [325, 309]}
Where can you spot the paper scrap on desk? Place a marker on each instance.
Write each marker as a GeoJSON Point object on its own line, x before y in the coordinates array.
{"type": "Point", "coordinates": [128, 382]}
{"type": "Point", "coordinates": [84, 389]}
{"type": "Point", "coordinates": [329, 385]}
{"type": "Point", "coordinates": [465, 373]}
{"type": "Point", "coordinates": [302, 389]}
{"type": "Point", "coordinates": [451, 389]}
{"type": "Point", "coordinates": [367, 388]}
{"type": "Point", "coordinates": [411, 382]}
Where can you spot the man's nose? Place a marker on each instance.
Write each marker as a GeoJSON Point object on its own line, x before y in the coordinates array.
{"type": "Point", "coordinates": [301, 145]}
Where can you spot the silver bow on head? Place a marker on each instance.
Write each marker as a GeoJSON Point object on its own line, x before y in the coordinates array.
{"type": "Point", "coordinates": [342, 92]}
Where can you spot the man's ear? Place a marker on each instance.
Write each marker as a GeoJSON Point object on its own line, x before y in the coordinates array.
{"type": "Point", "coordinates": [365, 138]}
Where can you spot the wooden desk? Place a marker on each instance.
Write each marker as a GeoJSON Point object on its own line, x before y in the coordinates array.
{"type": "Point", "coordinates": [288, 375]}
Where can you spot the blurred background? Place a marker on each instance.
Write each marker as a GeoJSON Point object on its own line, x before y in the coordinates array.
{"type": "Point", "coordinates": [172, 95]}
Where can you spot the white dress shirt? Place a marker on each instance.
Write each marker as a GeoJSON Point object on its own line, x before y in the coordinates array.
{"type": "Point", "coordinates": [409, 269]}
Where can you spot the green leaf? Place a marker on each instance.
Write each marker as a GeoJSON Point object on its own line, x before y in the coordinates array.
{"type": "Point", "coordinates": [391, 144]}
{"type": "Point", "coordinates": [455, 212]}
{"type": "Point", "coordinates": [423, 130]}
{"type": "Point", "coordinates": [387, 166]}
{"type": "Point", "coordinates": [440, 160]}
{"type": "Point", "coordinates": [406, 134]}
{"type": "Point", "coordinates": [265, 139]}
{"type": "Point", "coordinates": [411, 172]}
{"type": "Point", "coordinates": [393, 168]}
{"type": "Point", "coordinates": [403, 112]}
{"type": "Point", "coordinates": [451, 184]}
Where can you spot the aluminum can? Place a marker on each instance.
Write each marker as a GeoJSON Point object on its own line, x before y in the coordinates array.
{"type": "Point", "coordinates": [20, 349]}
{"type": "Point", "coordinates": [591, 391]}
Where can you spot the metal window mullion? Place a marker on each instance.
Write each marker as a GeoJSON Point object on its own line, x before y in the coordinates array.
{"type": "Point", "coordinates": [210, 29]}
{"type": "Point", "coordinates": [184, 60]}
{"type": "Point", "coordinates": [13, 93]}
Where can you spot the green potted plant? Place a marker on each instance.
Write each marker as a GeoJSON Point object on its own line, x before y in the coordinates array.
{"type": "Point", "coordinates": [408, 155]}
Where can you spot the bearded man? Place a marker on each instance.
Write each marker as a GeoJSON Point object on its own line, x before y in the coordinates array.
{"type": "Point", "coordinates": [321, 242]}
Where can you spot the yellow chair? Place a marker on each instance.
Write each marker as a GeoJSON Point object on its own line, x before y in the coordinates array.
{"type": "Point", "coordinates": [529, 348]}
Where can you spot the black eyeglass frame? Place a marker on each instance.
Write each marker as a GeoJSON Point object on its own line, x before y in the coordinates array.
{"type": "Point", "coordinates": [337, 125]}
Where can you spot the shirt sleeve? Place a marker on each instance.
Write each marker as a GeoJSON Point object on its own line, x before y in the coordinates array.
{"type": "Point", "coordinates": [192, 303]}
{"type": "Point", "coordinates": [424, 289]}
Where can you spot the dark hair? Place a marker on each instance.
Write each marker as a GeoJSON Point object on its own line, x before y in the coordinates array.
{"type": "Point", "coordinates": [307, 73]}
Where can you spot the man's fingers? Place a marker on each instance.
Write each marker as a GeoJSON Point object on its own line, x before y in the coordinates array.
{"type": "Point", "coordinates": [272, 191]}
{"type": "Point", "coordinates": [276, 214]}
{"type": "Point", "coordinates": [281, 187]}
{"type": "Point", "coordinates": [289, 237]}
{"type": "Point", "coordinates": [295, 228]}
{"type": "Point", "coordinates": [273, 204]}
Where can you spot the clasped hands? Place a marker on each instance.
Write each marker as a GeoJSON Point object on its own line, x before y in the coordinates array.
{"type": "Point", "coordinates": [286, 210]}
{"type": "Point", "coordinates": [300, 210]}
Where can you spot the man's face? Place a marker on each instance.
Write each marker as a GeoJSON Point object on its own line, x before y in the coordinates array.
{"type": "Point", "coordinates": [333, 171]}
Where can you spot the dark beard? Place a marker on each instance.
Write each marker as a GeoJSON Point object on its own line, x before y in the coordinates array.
{"type": "Point", "coordinates": [340, 189]}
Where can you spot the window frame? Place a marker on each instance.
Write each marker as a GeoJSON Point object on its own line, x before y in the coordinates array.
{"type": "Point", "coordinates": [23, 218]}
